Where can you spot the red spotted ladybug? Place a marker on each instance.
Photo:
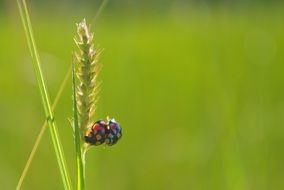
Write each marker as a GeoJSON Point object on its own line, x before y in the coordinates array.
{"type": "Point", "coordinates": [97, 134]}
{"type": "Point", "coordinates": [114, 132]}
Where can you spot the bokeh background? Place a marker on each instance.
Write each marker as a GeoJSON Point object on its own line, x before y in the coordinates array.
{"type": "Point", "coordinates": [196, 85]}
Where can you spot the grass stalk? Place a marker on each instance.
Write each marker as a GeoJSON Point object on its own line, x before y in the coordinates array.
{"type": "Point", "coordinates": [44, 94]}
{"type": "Point", "coordinates": [80, 161]}
{"type": "Point", "coordinates": [84, 93]}
{"type": "Point", "coordinates": [42, 130]}
{"type": "Point", "coordinates": [101, 8]}
{"type": "Point", "coordinates": [44, 126]}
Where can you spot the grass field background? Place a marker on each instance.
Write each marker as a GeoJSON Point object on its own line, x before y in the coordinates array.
{"type": "Point", "coordinates": [198, 91]}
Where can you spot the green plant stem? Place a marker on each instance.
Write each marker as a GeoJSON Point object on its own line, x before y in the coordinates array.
{"type": "Point", "coordinates": [79, 144]}
{"type": "Point", "coordinates": [44, 94]}
{"type": "Point", "coordinates": [101, 8]}
{"type": "Point", "coordinates": [42, 130]}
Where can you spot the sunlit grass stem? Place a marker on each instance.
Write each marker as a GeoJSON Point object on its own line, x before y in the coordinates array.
{"type": "Point", "coordinates": [80, 159]}
{"type": "Point", "coordinates": [42, 130]}
{"type": "Point", "coordinates": [84, 93]}
{"type": "Point", "coordinates": [44, 94]}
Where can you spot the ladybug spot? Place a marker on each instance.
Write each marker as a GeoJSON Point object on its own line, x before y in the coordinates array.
{"type": "Point", "coordinates": [98, 137]}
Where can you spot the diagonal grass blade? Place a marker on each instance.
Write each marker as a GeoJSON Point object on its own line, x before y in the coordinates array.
{"type": "Point", "coordinates": [44, 94]}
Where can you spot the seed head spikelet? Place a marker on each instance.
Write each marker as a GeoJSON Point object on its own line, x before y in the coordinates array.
{"type": "Point", "coordinates": [86, 71]}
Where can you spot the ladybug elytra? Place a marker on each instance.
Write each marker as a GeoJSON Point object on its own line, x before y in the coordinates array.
{"type": "Point", "coordinates": [96, 135]}
{"type": "Point", "coordinates": [114, 132]}
{"type": "Point", "coordinates": [102, 132]}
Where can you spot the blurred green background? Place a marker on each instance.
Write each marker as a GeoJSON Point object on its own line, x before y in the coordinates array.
{"type": "Point", "coordinates": [196, 85]}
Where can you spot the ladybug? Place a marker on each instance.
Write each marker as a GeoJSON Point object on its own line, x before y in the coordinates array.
{"type": "Point", "coordinates": [96, 135]}
{"type": "Point", "coordinates": [114, 132]}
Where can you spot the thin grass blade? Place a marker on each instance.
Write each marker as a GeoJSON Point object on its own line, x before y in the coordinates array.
{"type": "Point", "coordinates": [62, 86]}
{"type": "Point", "coordinates": [42, 130]}
{"type": "Point", "coordinates": [44, 94]}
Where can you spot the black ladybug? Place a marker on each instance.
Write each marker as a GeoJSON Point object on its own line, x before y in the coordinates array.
{"type": "Point", "coordinates": [114, 132]}
{"type": "Point", "coordinates": [97, 134]}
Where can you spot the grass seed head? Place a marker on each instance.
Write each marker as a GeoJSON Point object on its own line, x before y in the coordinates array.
{"type": "Point", "coordinates": [86, 59]}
